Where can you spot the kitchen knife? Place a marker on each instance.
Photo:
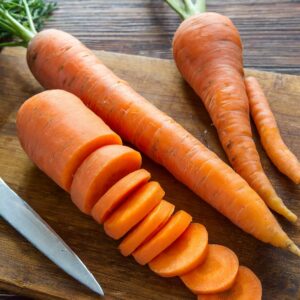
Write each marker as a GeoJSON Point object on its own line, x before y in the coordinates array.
{"type": "Point", "coordinates": [28, 223]}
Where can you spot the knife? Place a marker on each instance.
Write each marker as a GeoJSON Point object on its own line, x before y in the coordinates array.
{"type": "Point", "coordinates": [29, 224]}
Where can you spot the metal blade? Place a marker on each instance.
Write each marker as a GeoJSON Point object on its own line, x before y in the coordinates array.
{"type": "Point", "coordinates": [27, 222]}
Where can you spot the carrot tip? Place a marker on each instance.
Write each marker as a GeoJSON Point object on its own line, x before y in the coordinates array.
{"type": "Point", "coordinates": [278, 206]}
{"type": "Point", "coordinates": [294, 249]}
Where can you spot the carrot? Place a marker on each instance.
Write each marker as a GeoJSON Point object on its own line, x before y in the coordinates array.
{"type": "Point", "coordinates": [169, 244]}
{"type": "Point", "coordinates": [99, 171]}
{"type": "Point", "coordinates": [59, 60]}
{"type": "Point", "coordinates": [208, 52]}
{"type": "Point", "coordinates": [155, 220]}
{"type": "Point", "coordinates": [269, 133]}
{"type": "Point", "coordinates": [246, 287]}
{"type": "Point", "coordinates": [216, 274]}
{"type": "Point", "coordinates": [134, 210]}
{"type": "Point", "coordinates": [185, 254]}
{"type": "Point", "coordinates": [118, 193]}
{"type": "Point", "coordinates": [163, 239]}
{"type": "Point", "coordinates": [52, 114]}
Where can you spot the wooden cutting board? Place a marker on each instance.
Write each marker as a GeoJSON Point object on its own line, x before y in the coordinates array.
{"type": "Point", "coordinates": [25, 271]}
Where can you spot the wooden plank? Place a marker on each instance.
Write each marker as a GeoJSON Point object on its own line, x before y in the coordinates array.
{"type": "Point", "coordinates": [24, 270]}
{"type": "Point", "coordinates": [270, 29]}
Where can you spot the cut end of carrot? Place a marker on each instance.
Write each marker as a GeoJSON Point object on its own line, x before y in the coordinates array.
{"type": "Point", "coordinates": [294, 249]}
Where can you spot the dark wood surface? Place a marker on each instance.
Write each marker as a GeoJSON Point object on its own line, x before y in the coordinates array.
{"type": "Point", "coordinates": [24, 270]}
{"type": "Point", "coordinates": [270, 29]}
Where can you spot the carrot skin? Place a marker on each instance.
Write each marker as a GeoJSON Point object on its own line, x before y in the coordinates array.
{"type": "Point", "coordinates": [76, 69]}
{"type": "Point", "coordinates": [269, 133]}
{"type": "Point", "coordinates": [208, 53]}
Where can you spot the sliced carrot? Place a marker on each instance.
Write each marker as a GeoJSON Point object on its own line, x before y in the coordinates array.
{"type": "Point", "coordinates": [185, 254]}
{"type": "Point", "coordinates": [164, 238]}
{"type": "Point", "coordinates": [99, 171]}
{"type": "Point", "coordinates": [53, 140]}
{"type": "Point", "coordinates": [216, 274]}
{"type": "Point", "coordinates": [118, 193]}
{"type": "Point", "coordinates": [136, 207]}
{"type": "Point", "coordinates": [147, 228]}
{"type": "Point", "coordinates": [246, 287]}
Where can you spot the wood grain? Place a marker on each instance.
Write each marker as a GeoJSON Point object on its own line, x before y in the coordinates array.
{"type": "Point", "coordinates": [24, 270]}
{"type": "Point", "coordinates": [270, 29]}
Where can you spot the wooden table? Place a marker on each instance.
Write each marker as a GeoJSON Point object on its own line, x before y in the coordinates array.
{"type": "Point", "coordinates": [270, 29]}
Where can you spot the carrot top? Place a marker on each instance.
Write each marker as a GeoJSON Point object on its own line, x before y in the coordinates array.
{"type": "Point", "coordinates": [20, 20]}
{"type": "Point", "coordinates": [187, 8]}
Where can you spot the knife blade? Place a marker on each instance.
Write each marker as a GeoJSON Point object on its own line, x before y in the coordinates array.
{"type": "Point", "coordinates": [28, 223]}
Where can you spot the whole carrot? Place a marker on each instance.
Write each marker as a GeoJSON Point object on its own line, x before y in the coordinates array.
{"type": "Point", "coordinates": [269, 133]}
{"type": "Point", "coordinates": [208, 52]}
{"type": "Point", "coordinates": [59, 60]}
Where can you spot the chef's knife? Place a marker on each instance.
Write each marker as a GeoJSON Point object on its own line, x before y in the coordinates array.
{"type": "Point", "coordinates": [27, 222]}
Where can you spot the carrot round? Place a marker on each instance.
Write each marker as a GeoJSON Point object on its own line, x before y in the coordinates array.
{"type": "Point", "coordinates": [147, 228]}
{"type": "Point", "coordinates": [208, 52]}
{"type": "Point", "coordinates": [246, 287]}
{"type": "Point", "coordinates": [164, 238]}
{"type": "Point", "coordinates": [269, 133]}
{"type": "Point", "coordinates": [60, 144]}
{"type": "Point", "coordinates": [59, 60]}
{"type": "Point", "coordinates": [216, 274]}
{"type": "Point", "coordinates": [118, 193]}
{"type": "Point", "coordinates": [101, 170]}
{"type": "Point", "coordinates": [185, 254]}
{"type": "Point", "coordinates": [136, 208]}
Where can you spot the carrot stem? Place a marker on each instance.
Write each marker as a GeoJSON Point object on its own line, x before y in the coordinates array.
{"type": "Point", "coordinates": [16, 27]}
{"type": "Point", "coordinates": [29, 17]}
{"type": "Point", "coordinates": [187, 8]}
{"type": "Point", "coordinates": [21, 19]}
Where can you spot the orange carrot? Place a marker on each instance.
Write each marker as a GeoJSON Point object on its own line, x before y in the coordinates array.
{"type": "Point", "coordinates": [99, 171]}
{"type": "Point", "coordinates": [164, 238]}
{"type": "Point", "coordinates": [269, 133]}
{"type": "Point", "coordinates": [246, 287]}
{"type": "Point", "coordinates": [184, 255]}
{"type": "Point", "coordinates": [169, 244]}
{"type": "Point", "coordinates": [59, 60]}
{"type": "Point", "coordinates": [134, 209]}
{"type": "Point", "coordinates": [208, 52]}
{"type": "Point", "coordinates": [52, 114]}
{"type": "Point", "coordinates": [155, 220]}
{"type": "Point", "coordinates": [118, 193]}
{"type": "Point", "coordinates": [216, 274]}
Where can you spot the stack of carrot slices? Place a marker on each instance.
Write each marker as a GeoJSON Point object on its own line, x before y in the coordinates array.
{"type": "Point", "coordinates": [107, 182]}
{"type": "Point", "coordinates": [169, 243]}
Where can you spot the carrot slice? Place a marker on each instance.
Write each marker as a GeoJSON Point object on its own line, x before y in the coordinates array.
{"type": "Point", "coordinates": [246, 287]}
{"type": "Point", "coordinates": [51, 138]}
{"type": "Point", "coordinates": [99, 171]}
{"type": "Point", "coordinates": [185, 254]}
{"type": "Point", "coordinates": [118, 193]}
{"type": "Point", "coordinates": [136, 207]}
{"type": "Point", "coordinates": [164, 238]}
{"type": "Point", "coordinates": [147, 228]}
{"type": "Point", "coordinates": [216, 274]}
